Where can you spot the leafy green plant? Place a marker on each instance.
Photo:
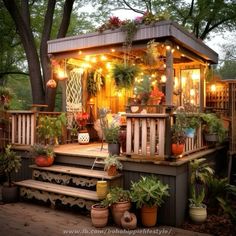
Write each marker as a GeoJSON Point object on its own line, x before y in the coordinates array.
{"type": "Point", "coordinates": [199, 170]}
{"type": "Point", "coordinates": [213, 125]}
{"type": "Point", "coordinates": [197, 199]}
{"type": "Point", "coordinates": [9, 162]}
{"type": "Point", "coordinates": [149, 190]}
{"type": "Point", "coordinates": [130, 28]}
{"type": "Point", "coordinates": [193, 121]}
{"type": "Point", "coordinates": [112, 161]}
{"type": "Point", "coordinates": [178, 128]}
{"type": "Point", "coordinates": [51, 127]}
{"type": "Point", "coordinates": [218, 189]}
{"type": "Point", "coordinates": [115, 195]}
{"type": "Point", "coordinates": [111, 133]}
{"type": "Point", "coordinates": [143, 89]}
{"type": "Point", "coordinates": [124, 74]}
{"type": "Point", "coordinates": [42, 150]}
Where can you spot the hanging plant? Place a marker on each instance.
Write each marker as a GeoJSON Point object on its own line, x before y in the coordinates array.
{"type": "Point", "coordinates": [130, 28]}
{"type": "Point", "coordinates": [95, 82]}
{"type": "Point", "coordinates": [124, 74]}
{"type": "Point", "coordinates": [91, 85]}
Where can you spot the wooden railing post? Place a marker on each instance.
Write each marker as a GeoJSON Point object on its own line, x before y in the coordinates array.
{"type": "Point", "coordinates": [168, 134]}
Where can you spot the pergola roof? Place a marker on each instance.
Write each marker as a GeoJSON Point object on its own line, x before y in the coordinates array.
{"type": "Point", "coordinates": [163, 30]}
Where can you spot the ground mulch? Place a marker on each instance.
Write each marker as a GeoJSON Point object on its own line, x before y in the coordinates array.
{"type": "Point", "coordinates": [218, 225]}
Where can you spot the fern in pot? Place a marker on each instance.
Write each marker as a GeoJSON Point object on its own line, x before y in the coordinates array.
{"type": "Point", "coordinates": [124, 74]}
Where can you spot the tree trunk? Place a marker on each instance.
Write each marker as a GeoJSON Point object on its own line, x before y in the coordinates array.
{"type": "Point", "coordinates": [45, 61]}
{"type": "Point", "coordinates": [26, 35]}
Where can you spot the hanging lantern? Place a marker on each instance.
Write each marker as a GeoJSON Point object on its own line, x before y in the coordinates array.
{"type": "Point", "coordinates": [61, 74]}
{"type": "Point", "coordinates": [51, 83]}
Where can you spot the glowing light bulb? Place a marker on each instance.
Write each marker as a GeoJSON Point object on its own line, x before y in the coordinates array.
{"type": "Point", "coordinates": [213, 88]}
{"type": "Point", "coordinates": [163, 78]}
{"type": "Point", "coordinates": [103, 58]}
{"type": "Point", "coordinates": [192, 92]}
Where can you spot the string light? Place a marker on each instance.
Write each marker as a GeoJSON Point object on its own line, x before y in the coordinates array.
{"type": "Point", "coordinates": [213, 88]}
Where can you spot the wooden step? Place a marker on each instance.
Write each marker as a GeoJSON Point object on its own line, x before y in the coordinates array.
{"type": "Point", "coordinates": [59, 189]}
{"type": "Point", "coordinates": [99, 174]}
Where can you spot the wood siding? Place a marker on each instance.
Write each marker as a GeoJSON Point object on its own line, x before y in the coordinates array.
{"type": "Point", "coordinates": [160, 30]}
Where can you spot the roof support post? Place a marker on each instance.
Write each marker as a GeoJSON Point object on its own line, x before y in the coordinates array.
{"type": "Point", "coordinates": [169, 74]}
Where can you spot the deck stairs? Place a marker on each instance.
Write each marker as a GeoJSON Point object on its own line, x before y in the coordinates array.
{"type": "Point", "coordinates": [69, 185]}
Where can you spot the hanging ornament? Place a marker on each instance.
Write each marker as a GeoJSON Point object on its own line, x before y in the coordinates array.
{"type": "Point", "coordinates": [51, 83]}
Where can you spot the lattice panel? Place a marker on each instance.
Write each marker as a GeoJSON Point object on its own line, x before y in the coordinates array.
{"type": "Point", "coordinates": [74, 91]}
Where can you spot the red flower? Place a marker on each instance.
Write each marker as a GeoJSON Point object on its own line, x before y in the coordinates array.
{"type": "Point", "coordinates": [156, 93]}
{"type": "Point", "coordinates": [82, 119]}
{"type": "Point", "coordinates": [115, 21]}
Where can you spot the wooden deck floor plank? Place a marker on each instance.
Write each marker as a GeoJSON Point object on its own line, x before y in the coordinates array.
{"type": "Point", "coordinates": [59, 189]}
{"type": "Point", "coordinates": [77, 171]}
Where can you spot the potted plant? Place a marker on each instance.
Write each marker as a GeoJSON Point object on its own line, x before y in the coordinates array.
{"type": "Point", "coordinates": [143, 89]}
{"type": "Point", "coordinates": [9, 162]}
{"type": "Point", "coordinates": [214, 130]}
{"type": "Point", "coordinates": [82, 120]}
{"type": "Point", "coordinates": [148, 193]}
{"type": "Point", "coordinates": [193, 122]}
{"type": "Point", "coordinates": [199, 170]}
{"type": "Point", "coordinates": [50, 128]}
{"type": "Point", "coordinates": [119, 201]}
{"type": "Point", "coordinates": [111, 134]}
{"type": "Point", "coordinates": [124, 74]}
{"type": "Point", "coordinates": [112, 164]}
{"type": "Point", "coordinates": [99, 214]}
{"type": "Point", "coordinates": [44, 155]}
{"type": "Point", "coordinates": [178, 137]}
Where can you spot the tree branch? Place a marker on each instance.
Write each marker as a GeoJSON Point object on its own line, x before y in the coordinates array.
{"type": "Point", "coordinates": [189, 14]}
{"type": "Point", "coordinates": [65, 19]}
{"type": "Point", "coordinates": [13, 73]}
{"type": "Point", "coordinates": [131, 8]}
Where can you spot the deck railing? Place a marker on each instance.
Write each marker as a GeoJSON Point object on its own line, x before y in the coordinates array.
{"type": "Point", "coordinates": [24, 126]}
{"type": "Point", "coordinates": [146, 134]}
{"type": "Point", "coordinates": [195, 144]}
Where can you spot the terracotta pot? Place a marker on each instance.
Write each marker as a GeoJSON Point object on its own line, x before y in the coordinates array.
{"type": "Point", "coordinates": [112, 171]}
{"type": "Point", "coordinates": [177, 149]}
{"type": "Point", "coordinates": [44, 161]}
{"type": "Point", "coordinates": [10, 194]}
{"type": "Point", "coordinates": [198, 214]}
{"type": "Point", "coordinates": [99, 215]}
{"type": "Point", "coordinates": [101, 189]}
{"type": "Point", "coordinates": [118, 209]}
{"type": "Point", "coordinates": [149, 216]}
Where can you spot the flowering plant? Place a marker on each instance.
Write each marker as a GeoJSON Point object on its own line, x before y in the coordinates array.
{"type": "Point", "coordinates": [156, 94]}
{"type": "Point", "coordinates": [82, 119]}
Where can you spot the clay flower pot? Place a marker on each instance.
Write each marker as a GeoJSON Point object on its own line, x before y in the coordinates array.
{"type": "Point", "coordinates": [118, 209]}
{"type": "Point", "coordinates": [198, 214]}
{"type": "Point", "coordinates": [112, 171]}
{"type": "Point", "coordinates": [149, 216]}
{"type": "Point", "coordinates": [99, 215]}
{"type": "Point", "coordinates": [44, 161]}
{"type": "Point", "coordinates": [177, 148]}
